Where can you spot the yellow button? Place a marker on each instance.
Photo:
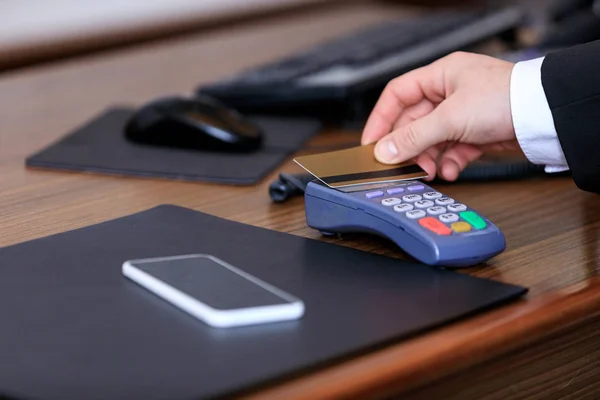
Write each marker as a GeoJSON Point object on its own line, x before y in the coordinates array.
{"type": "Point", "coordinates": [461, 227]}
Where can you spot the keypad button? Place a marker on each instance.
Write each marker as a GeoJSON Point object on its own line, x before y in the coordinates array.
{"type": "Point", "coordinates": [395, 190]}
{"type": "Point", "coordinates": [424, 203]}
{"type": "Point", "coordinates": [392, 201]}
{"type": "Point", "coordinates": [448, 218]}
{"type": "Point", "coordinates": [457, 207]}
{"type": "Point", "coordinates": [403, 207]}
{"type": "Point", "coordinates": [372, 195]}
{"type": "Point", "coordinates": [437, 210]}
{"type": "Point", "coordinates": [444, 201]}
{"type": "Point", "coordinates": [415, 188]}
{"type": "Point", "coordinates": [411, 198]}
{"type": "Point", "coordinates": [414, 214]}
{"type": "Point", "coordinates": [432, 195]}
{"type": "Point", "coordinates": [435, 225]}
{"type": "Point", "coordinates": [460, 227]}
{"type": "Point", "coordinates": [474, 219]}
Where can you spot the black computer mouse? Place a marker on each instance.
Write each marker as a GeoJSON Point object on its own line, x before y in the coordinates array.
{"type": "Point", "coordinates": [198, 123]}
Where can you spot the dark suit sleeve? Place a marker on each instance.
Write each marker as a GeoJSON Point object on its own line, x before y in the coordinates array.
{"type": "Point", "coordinates": [571, 81]}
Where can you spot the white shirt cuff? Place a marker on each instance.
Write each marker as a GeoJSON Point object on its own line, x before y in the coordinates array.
{"type": "Point", "coordinates": [532, 118]}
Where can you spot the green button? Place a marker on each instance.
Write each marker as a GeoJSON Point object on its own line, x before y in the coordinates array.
{"type": "Point", "coordinates": [473, 219]}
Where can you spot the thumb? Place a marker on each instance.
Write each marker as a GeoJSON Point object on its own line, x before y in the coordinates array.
{"type": "Point", "coordinates": [414, 138]}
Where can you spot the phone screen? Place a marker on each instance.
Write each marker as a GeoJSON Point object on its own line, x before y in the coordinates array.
{"type": "Point", "coordinates": [213, 283]}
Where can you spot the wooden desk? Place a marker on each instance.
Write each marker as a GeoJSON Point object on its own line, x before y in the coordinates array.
{"type": "Point", "coordinates": [542, 347]}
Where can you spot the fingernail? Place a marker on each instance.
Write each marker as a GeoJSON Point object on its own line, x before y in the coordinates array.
{"type": "Point", "coordinates": [386, 150]}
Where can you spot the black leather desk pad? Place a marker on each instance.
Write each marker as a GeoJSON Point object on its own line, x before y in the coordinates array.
{"type": "Point", "coordinates": [75, 328]}
{"type": "Point", "coordinates": [100, 147]}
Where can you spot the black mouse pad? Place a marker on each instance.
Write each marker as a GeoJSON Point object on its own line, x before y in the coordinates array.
{"type": "Point", "coordinates": [75, 328]}
{"type": "Point", "coordinates": [100, 146]}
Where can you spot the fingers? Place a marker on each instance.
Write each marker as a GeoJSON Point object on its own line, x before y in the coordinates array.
{"type": "Point", "coordinates": [414, 112]}
{"type": "Point", "coordinates": [447, 160]}
{"type": "Point", "coordinates": [399, 94]}
{"type": "Point", "coordinates": [455, 159]}
{"type": "Point", "coordinates": [413, 139]}
{"type": "Point", "coordinates": [428, 160]}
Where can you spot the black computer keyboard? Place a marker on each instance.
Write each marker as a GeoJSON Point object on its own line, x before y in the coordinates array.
{"type": "Point", "coordinates": [343, 77]}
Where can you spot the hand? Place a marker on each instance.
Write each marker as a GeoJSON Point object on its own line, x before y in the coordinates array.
{"type": "Point", "coordinates": [444, 115]}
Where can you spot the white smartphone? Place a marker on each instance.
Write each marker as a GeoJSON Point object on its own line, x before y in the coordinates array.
{"type": "Point", "coordinates": [213, 291]}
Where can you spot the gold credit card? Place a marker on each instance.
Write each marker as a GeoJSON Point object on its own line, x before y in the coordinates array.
{"type": "Point", "coordinates": [356, 166]}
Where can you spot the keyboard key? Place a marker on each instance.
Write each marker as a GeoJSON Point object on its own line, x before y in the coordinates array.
{"type": "Point", "coordinates": [448, 218]}
{"type": "Point", "coordinates": [392, 201]}
{"type": "Point", "coordinates": [444, 201]}
{"type": "Point", "coordinates": [437, 210]}
{"type": "Point", "coordinates": [395, 190]}
{"type": "Point", "coordinates": [411, 198]}
{"type": "Point", "coordinates": [457, 207]}
{"type": "Point", "coordinates": [414, 214]}
{"type": "Point", "coordinates": [432, 195]}
{"type": "Point", "coordinates": [415, 188]}
{"type": "Point", "coordinates": [424, 203]}
{"type": "Point", "coordinates": [435, 226]}
{"type": "Point", "coordinates": [474, 219]}
{"type": "Point", "coordinates": [372, 195]}
{"type": "Point", "coordinates": [460, 227]}
{"type": "Point", "coordinates": [403, 207]}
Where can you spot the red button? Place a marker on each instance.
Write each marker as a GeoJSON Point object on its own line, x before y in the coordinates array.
{"type": "Point", "coordinates": [435, 225]}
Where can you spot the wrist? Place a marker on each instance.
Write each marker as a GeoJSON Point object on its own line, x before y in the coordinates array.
{"type": "Point", "coordinates": [532, 119]}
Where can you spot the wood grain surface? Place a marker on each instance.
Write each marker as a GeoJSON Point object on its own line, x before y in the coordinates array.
{"type": "Point", "coordinates": [552, 228]}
